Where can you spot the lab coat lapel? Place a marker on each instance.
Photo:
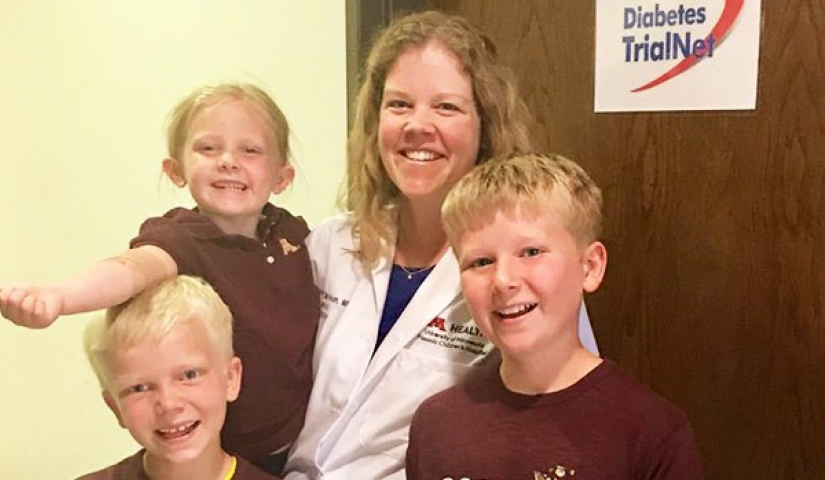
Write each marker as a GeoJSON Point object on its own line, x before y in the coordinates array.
{"type": "Point", "coordinates": [366, 303]}
{"type": "Point", "coordinates": [357, 341]}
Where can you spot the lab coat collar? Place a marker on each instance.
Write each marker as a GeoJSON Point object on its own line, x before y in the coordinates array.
{"type": "Point", "coordinates": [441, 288]}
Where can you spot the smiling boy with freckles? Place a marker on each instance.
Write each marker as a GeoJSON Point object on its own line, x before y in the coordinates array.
{"type": "Point", "coordinates": [525, 229]}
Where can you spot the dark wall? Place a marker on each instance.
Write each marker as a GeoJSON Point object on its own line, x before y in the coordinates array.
{"type": "Point", "coordinates": [364, 18]}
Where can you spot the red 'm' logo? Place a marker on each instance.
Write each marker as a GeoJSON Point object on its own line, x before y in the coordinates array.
{"type": "Point", "coordinates": [438, 323]}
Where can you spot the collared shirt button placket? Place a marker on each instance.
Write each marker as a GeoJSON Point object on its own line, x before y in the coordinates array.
{"type": "Point", "coordinates": [269, 258]}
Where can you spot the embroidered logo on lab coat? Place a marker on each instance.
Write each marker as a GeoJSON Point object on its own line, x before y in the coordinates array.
{"type": "Point", "coordinates": [462, 336]}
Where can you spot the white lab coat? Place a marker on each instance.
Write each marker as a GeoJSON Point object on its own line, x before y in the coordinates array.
{"type": "Point", "coordinates": [358, 418]}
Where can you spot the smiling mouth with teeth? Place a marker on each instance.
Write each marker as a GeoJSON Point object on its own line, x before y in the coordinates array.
{"type": "Point", "coordinates": [235, 187]}
{"type": "Point", "coordinates": [516, 311]}
{"type": "Point", "coordinates": [177, 432]}
{"type": "Point", "coordinates": [420, 156]}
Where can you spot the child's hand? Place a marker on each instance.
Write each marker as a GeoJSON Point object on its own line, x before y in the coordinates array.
{"type": "Point", "coordinates": [30, 306]}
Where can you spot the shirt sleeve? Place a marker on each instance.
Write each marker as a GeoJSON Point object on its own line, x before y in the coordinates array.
{"type": "Point", "coordinates": [171, 237]}
{"type": "Point", "coordinates": [676, 458]}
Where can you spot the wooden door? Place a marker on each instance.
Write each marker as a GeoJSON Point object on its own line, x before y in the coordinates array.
{"type": "Point", "coordinates": [715, 290]}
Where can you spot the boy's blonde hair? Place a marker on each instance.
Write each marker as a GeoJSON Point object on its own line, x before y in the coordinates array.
{"type": "Point", "coordinates": [152, 315]}
{"type": "Point", "coordinates": [180, 118]}
{"type": "Point", "coordinates": [534, 184]}
{"type": "Point", "coordinates": [370, 193]}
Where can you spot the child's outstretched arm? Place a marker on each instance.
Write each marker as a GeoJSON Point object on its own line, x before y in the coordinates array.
{"type": "Point", "coordinates": [105, 284]}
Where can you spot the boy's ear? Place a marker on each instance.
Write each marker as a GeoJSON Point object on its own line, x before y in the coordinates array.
{"type": "Point", "coordinates": [174, 170]}
{"type": "Point", "coordinates": [284, 175]}
{"type": "Point", "coordinates": [594, 262]}
{"type": "Point", "coordinates": [235, 372]}
{"type": "Point", "coordinates": [112, 404]}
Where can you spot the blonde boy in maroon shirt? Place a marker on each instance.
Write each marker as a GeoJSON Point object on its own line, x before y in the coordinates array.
{"type": "Point", "coordinates": [524, 230]}
{"type": "Point", "coordinates": [167, 370]}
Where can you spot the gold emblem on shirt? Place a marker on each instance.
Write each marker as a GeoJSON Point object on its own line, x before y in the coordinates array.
{"type": "Point", "coordinates": [557, 473]}
{"type": "Point", "coordinates": [288, 247]}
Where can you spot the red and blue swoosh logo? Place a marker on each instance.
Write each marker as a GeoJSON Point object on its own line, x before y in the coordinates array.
{"type": "Point", "coordinates": [719, 32]}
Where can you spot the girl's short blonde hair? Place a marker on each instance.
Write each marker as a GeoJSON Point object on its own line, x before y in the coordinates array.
{"type": "Point", "coordinates": [181, 117]}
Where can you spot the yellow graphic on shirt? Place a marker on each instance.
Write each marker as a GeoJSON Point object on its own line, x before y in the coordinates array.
{"type": "Point", "coordinates": [557, 473]}
{"type": "Point", "coordinates": [288, 247]}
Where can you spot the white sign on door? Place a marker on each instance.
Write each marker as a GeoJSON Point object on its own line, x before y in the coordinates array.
{"type": "Point", "coordinates": [676, 55]}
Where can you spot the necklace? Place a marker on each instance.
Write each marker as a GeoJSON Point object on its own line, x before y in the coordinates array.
{"type": "Point", "coordinates": [415, 271]}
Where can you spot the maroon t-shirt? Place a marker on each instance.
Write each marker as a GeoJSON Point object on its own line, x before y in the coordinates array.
{"type": "Point", "coordinates": [268, 286]}
{"type": "Point", "coordinates": [131, 468]}
{"type": "Point", "coordinates": [605, 427]}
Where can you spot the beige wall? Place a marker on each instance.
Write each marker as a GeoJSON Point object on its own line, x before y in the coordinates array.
{"type": "Point", "coordinates": [84, 90]}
